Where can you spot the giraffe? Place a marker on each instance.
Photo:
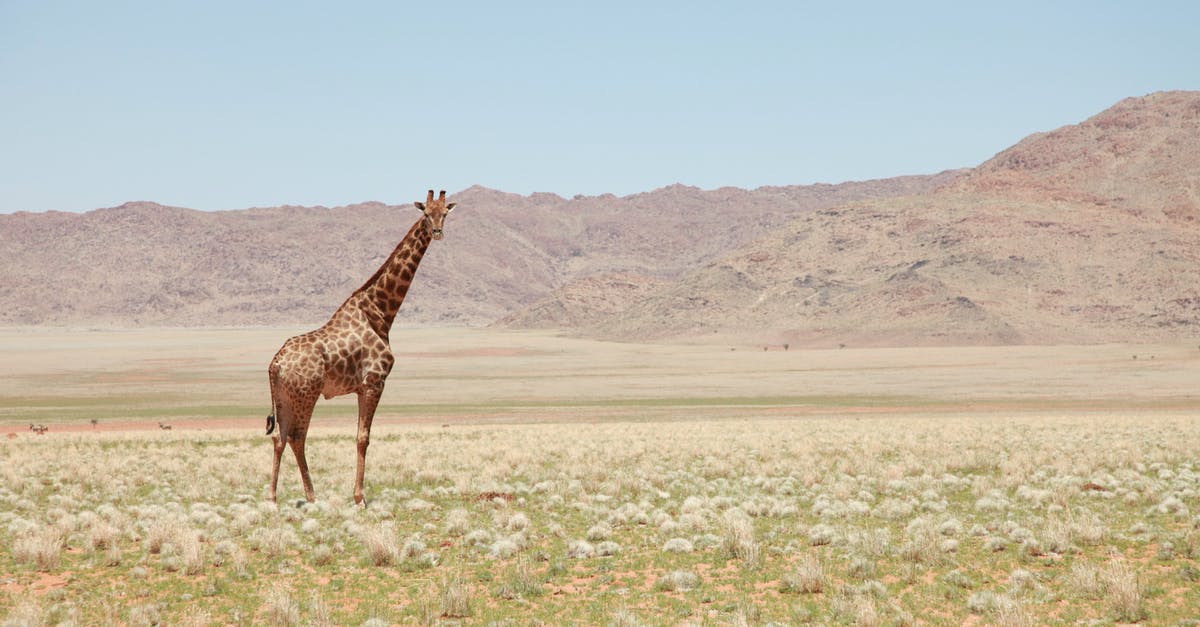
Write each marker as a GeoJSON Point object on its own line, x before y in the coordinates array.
{"type": "Point", "coordinates": [350, 353]}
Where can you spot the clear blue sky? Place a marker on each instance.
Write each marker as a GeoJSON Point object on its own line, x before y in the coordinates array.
{"type": "Point", "coordinates": [227, 105]}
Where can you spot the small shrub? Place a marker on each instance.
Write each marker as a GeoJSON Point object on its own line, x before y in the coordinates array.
{"type": "Point", "coordinates": [808, 577]}
{"type": "Point", "coordinates": [517, 522]}
{"type": "Point", "coordinates": [1123, 592]}
{"type": "Point", "coordinates": [478, 537]}
{"type": "Point", "coordinates": [42, 548]}
{"type": "Point", "coordinates": [678, 545]}
{"type": "Point", "coordinates": [738, 541]}
{"type": "Point", "coordinates": [988, 602]}
{"type": "Point", "coordinates": [413, 548]}
{"type": "Point", "coordinates": [455, 597]}
{"type": "Point", "coordinates": [457, 522]}
{"type": "Point", "coordinates": [380, 544]}
{"type": "Point", "coordinates": [520, 583]}
{"type": "Point", "coordinates": [279, 608]}
{"type": "Point", "coordinates": [677, 581]}
{"type": "Point", "coordinates": [599, 532]}
{"type": "Point", "coordinates": [103, 535]}
{"type": "Point", "coordinates": [322, 555]}
{"type": "Point", "coordinates": [1084, 580]}
{"type": "Point", "coordinates": [820, 535]}
{"type": "Point", "coordinates": [608, 548]}
{"type": "Point", "coordinates": [503, 548]}
{"type": "Point", "coordinates": [958, 579]}
{"type": "Point", "coordinates": [861, 568]}
{"type": "Point", "coordinates": [1021, 581]}
{"type": "Point", "coordinates": [274, 541]}
{"type": "Point", "coordinates": [580, 549]}
{"type": "Point", "coordinates": [624, 617]}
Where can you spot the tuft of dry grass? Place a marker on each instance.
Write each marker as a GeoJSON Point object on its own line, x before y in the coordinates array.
{"type": "Point", "coordinates": [677, 581]}
{"type": "Point", "coordinates": [808, 577]}
{"type": "Point", "coordinates": [380, 545]}
{"type": "Point", "coordinates": [1123, 592]}
{"type": "Point", "coordinates": [42, 548]}
{"type": "Point", "coordinates": [454, 598]}
{"type": "Point", "coordinates": [280, 607]}
{"type": "Point", "coordinates": [738, 539]}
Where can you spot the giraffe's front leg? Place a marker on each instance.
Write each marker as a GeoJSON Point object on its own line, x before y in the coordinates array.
{"type": "Point", "coordinates": [368, 400]}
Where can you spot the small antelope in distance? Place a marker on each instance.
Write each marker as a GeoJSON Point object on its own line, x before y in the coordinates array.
{"type": "Point", "coordinates": [164, 427]}
{"type": "Point", "coordinates": [38, 429]}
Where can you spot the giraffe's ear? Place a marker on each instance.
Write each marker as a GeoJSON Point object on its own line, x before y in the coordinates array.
{"type": "Point", "coordinates": [450, 206]}
{"type": "Point", "coordinates": [420, 205]}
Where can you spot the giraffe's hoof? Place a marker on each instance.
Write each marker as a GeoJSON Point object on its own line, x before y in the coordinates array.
{"type": "Point", "coordinates": [299, 503]}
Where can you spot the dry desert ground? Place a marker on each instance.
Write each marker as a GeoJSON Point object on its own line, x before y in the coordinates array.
{"type": "Point", "coordinates": [530, 478]}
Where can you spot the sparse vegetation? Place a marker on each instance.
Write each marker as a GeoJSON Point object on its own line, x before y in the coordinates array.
{"type": "Point", "coordinates": [693, 510]}
{"type": "Point", "coordinates": [680, 514]}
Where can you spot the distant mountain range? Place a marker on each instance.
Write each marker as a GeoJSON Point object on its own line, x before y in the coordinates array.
{"type": "Point", "coordinates": [1089, 233]}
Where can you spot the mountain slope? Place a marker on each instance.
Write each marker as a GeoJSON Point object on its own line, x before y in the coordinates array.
{"type": "Point", "coordinates": [1085, 234]}
{"type": "Point", "coordinates": [145, 264]}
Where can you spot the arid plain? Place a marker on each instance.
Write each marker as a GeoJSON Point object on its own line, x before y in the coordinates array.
{"type": "Point", "coordinates": [524, 477]}
{"type": "Point", "coordinates": [984, 412]}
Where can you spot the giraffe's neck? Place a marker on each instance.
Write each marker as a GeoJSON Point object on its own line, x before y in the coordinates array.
{"type": "Point", "coordinates": [387, 288]}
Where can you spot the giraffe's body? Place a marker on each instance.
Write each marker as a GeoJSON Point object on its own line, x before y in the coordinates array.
{"type": "Point", "coordinates": [349, 354]}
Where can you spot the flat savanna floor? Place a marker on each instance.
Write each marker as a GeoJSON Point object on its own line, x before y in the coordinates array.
{"type": "Point", "coordinates": [525, 478]}
{"type": "Point", "coordinates": [197, 378]}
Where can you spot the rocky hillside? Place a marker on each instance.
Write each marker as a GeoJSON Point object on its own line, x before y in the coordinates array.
{"type": "Point", "coordinates": [145, 264]}
{"type": "Point", "coordinates": [1090, 233]}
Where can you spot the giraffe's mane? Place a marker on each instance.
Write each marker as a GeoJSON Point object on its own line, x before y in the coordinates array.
{"type": "Point", "coordinates": [378, 272]}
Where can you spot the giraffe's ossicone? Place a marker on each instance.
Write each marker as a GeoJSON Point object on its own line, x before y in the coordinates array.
{"type": "Point", "coordinates": [350, 353]}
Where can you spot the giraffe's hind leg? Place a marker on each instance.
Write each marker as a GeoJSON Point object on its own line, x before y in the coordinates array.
{"type": "Point", "coordinates": [294, 395]}
{"type": "Point", "coordinates": [277, 440]}
{"type": "Point", "coordinates": [302, 463]}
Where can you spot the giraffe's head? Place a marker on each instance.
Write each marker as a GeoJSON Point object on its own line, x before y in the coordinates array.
{"type": "Point", "coordinates": [435, 212]}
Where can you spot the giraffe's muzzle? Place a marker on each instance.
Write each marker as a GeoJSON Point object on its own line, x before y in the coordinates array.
{"type": "Point", "coordinates": [437, 234]}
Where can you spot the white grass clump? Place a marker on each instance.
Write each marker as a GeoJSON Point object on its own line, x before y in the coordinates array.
{"type": "Point", "coordinates": [274, 541]}
{"type": "Point", "coordinates": [990, 603]}
{"type": "Point", "coordinates": [457, 522]}
{"type": "Point", "coordinates": [994, 501]}
{"type": "Point", "coordinates": [1123, 592]}
{"type": "Point", "coordinates": [41, 548]}
{"type": "Point", "coordinates": [598, 532]}
{"type": "Point", "coordinates": [738, 540]}
{"type": "Point", "coordinates": [380, 545]}
{"type": "Point", "coordinates": [820, 535]}
{"type": "Point", "coordinates": [677, 581]}
{"type": "Point", "coordinates": [517, 522]}
{"type": "Point", "coordinates": [608, 548]}
{"type": "Point", "coordinates": [678, 545]}
{"type": "Point", "coordinates": [580, 549]}
{"type": "Point", "coordinates": [503, 548]}
{"type": "Point", "coordinates": [280, 607]}
{"type": "Point", "coordinates": [807, 577]}
{"type": "Point", "coordinates": [478, 537]}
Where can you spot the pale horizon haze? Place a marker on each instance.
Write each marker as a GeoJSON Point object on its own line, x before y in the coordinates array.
{"type": "Point", "coordinates": [229, 105]}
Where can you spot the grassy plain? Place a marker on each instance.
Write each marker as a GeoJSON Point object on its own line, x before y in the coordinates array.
{"type": "Point", "coordinates": [524, 478]}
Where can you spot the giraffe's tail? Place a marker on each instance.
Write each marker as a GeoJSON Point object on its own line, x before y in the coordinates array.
{"type": "Point", "coordinates": [272, 376]}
